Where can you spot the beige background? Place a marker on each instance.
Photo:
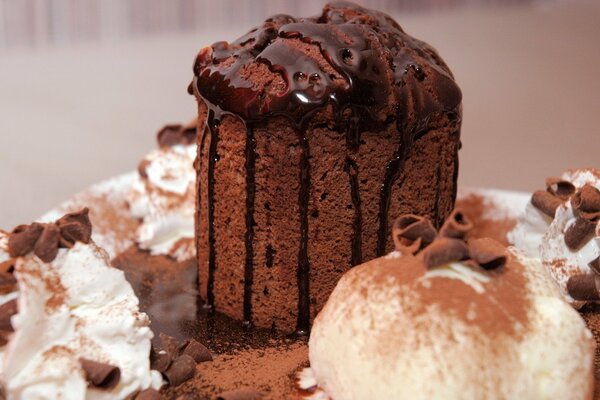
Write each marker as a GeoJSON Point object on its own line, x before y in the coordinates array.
{"type": "Point", "coordinates": [75, 114]}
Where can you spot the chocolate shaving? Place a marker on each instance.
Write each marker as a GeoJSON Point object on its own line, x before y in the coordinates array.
{"type": "Point", "coordinates": [22, 239]}
{"type": "Point", "coordinates": [412, 233]}
{"type": "Point", "coordinates": [160, 360]}
{"type": "Point", "coordinates": [578, 232]}
{"type": "Point", "coordinates": [7, 310]}
{"type": "Point", "coordinates": [240, 395]}
{"type": "Point", "coordinates": [595, 265]}
{"type": "Point", "coordinates": [148, 394]}
{"type": "Point", "coordinates": [560, 188]}
{"type": "Point", "coordinates": [76, 227]}
{"type": "Point", "coordinates": [46, 247]}
{"type": "Point", "coordinates": [100, 375]}
{"type": "Point", "coordinates": [443, 251]}
{"type": "Point", "coordinates": [196, 350]}
{"type": "Point", "coordinates": [586, 203]}
{"type": "Point", "coordinates": [546, 202]}
{"type": "Point", "coordinates": [180, 370]}
{"type": "Point", "coordinates": [488, 253]}
{"type": "Point", "coordinates": [583, 287]}
{"type": "Point", "coordinates": [456, 226]}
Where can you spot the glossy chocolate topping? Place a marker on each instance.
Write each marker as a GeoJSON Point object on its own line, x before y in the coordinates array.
{"type": "Point", "coordinates": [358, 65]}
{"type": "Point", "coordinates": [349, 57]}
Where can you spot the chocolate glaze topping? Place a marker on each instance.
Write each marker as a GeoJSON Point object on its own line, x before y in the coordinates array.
{"type": "Point", "coordinates": [356, 62]}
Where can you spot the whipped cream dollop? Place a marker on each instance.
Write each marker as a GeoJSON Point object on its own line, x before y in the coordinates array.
{"type": "Point", "coordinates": [163, 195]}
{"type": "Point", "coordinates": [543, 236]}
{"type": "Point", "coordinates": [393, 330]}
{"type": "Point", "coordinates": [74, 307]}
{"type": "Point", "coordinates": [444, 317]}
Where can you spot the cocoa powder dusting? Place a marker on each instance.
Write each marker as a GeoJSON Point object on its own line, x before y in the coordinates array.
{"type": "Point", "coordinates": [479, 209]}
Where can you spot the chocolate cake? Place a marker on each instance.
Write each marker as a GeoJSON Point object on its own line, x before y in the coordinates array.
{"type": "Point", "coordinates": [315, 133]}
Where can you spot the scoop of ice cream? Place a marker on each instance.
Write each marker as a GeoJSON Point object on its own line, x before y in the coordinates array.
{"type": "Point", "coordinates": [457, 320]}
{"type": "Point", "coordinates": [163, 194]}
{"type": "Point", "coordinates": [561, 231]}
{"type": "Point", "coordinates": [78, 332]}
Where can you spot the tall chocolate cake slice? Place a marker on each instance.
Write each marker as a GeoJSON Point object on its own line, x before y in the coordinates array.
{"type": "Point", "coordinates": [315, 133]}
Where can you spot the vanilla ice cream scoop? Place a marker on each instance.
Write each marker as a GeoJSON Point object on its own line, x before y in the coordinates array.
{"type": "Point", "coordinates": [163, 194]}
{"type": "Point", "coordinates": [441, 318]}
{"type": "Point", "coordinates": [77, 332]}
{"type": "Point", "coordinates": [561, 227]}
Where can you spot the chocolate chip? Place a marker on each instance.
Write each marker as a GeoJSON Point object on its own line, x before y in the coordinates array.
{"type": "Point", "coordinates": [560, 188]}
{"type": "Point", "coordinates": [160, 360]}
{"type": "Point", "coordinates": [100, 375]}
{"type": "Point", "coordinates": [456, 226]}
{"type": "Point", "coordinates": [583, 287]}
{"type": "Point", "coordinates": [578, 232]}
{"type": "Point", "coordinates": [586, 203]}
{"type": "Point", "coordinates": [412, 233]}
{"type": "Point", "coordinates": [546, 202]}
{"type": "Point", "coordinates": [7, 310]}
{"type": "Point", "coordinates": [196, 350]}
{"type": "Point", "coordinates": [180, 370]}
{"type": "Point", "coordinates": [443, 251]}
{"type": "Point", "coordinates": [148, 394]}
{"type": "Point", "coordinates": [487, 253]}
{"type": "Point", "coordinates": [46, 247]}
{"type": "Point", "coordinates": [595, 265]}
{"type": "Point", "coordinates": [240, 395]}
{"type": "Point", "coordinates": [76, 227]}
{"type": "Point", "coordinates": [22, 239]}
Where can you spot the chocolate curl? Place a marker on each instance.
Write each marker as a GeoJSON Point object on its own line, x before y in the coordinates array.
{"type": "Point", "coordinates": [181, 369]}
{"type": "Point", "coordinates": [583, 287]}
{"type": "Point", "coordinates": [456, 226]}
{"type": "Point", "coordinates": [412, 233]}
{"type": "Point", "coordinates": [488, 253]}
{"type": "Point", "coordinates": [7, 266]}
{"type": "Point", "coordinates": [595, 265]}
{"type": "Point", "coordinates": [240, 395]}
{"type": "Point", "coordinates": [169, 344]}
{"type": "Point", "coordinates": [46, 247]}
{"type": "Point", "coordinates": [546, 202]}
{"type": "Point", "coordinates": [148, 394]}
{"type": "Point", "coordinates": [8, 282]}
{"type": "Point", "coordinates": [22, 239]}
{"type": "Point", "coordinates": [560, 188]}
{"type": "Point", "coordinates": [169, 135]}
{"type": "Point", "coordinates": [578, 232]}
{"type": "Point", "coordinates": [160, 360]}
{"type": "Point", "coordinates": [75, 227]}
{"type": "Point", "coordinates": [100, 375]}
{"type": "Point", "coordinates": [196, 350]}
{"type": "Point", "coordinates": [7, 310]}
{"type": "Point", "coordinates": [443, 251]}
{"type": "Point", "coordinates": [586, 203]}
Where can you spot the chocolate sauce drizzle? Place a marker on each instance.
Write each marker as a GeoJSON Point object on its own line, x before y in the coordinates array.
{"type": "Point", "coordinates": [365, 63]}
{"type": "Point", "coordinates": [352, 170]}
{"type": "Point", "coordinates": [213, 157]}
{"type": "Point", "coordinates": [249, 238]}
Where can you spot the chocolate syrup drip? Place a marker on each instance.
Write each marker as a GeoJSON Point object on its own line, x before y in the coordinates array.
{"type": "Point", "coordinates": [303, 272]}
{"type": "Point", "coordinates": [249, 238]}
{"type": "Point", "coordinates": [352, 169]}
{"type": "Point", "coordinates": [213, 157]}
{"type": "Point", "coordinates": [392, 172]}
{"type": "Point", "coordinates": [363, 62]}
